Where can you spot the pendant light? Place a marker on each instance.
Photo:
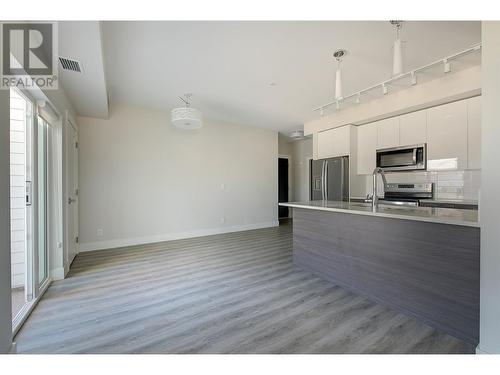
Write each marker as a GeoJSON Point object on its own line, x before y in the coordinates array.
{"type": "Point", "coordinates": [186, 117]}
{"type": "Point", "coordinates": [397, 57]}
{"type": "Point", "coordinates": [338, 54]}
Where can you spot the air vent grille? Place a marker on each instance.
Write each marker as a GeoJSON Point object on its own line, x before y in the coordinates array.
{"type": "Point", "coordinates": [72, 65]}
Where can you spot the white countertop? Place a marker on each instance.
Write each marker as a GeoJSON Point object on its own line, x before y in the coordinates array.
{"type": "Point", "coordinates": [442, 200]}
{"type": "Point", "coordinates": [452, 216]}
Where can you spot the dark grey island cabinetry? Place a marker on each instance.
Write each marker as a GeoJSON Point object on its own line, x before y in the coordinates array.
{"type": "Point", "coordinates": [422, 261]}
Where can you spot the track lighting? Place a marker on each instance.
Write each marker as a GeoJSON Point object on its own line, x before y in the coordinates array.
{"type": "Point", "coordinates": [413, 78]}
{"type": "Point", "coordinates": [447, 66]}
{"type": "Point", "coordinates": [412, 75]}
{"type": "Point", "coordinates": [338, 54]}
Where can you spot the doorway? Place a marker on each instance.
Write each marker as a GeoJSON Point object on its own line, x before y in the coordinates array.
{"type": "Point", "coordinates": [283, 186]}
{"type": "Point", "coordinates": [72, 190]}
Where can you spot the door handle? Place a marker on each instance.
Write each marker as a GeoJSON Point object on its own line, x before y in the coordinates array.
{"type": "Point", "coordinates": [71, 200]}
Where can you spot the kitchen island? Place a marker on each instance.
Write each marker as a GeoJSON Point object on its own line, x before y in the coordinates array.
{"type": "Point", "coordinates": [423, 261]}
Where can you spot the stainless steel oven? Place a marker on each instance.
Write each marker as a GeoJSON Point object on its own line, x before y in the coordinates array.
{"type": "Point", "coordinates": [407, 158]}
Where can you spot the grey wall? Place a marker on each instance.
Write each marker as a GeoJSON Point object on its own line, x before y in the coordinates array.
{"type": "Point", "coordinates": [489, 340]}
{"type": "Point", "coordinates": [5, 296]}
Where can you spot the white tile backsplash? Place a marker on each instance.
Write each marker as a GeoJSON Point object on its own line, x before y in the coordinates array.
{"type": "Point", "coordinates": [447, 184]}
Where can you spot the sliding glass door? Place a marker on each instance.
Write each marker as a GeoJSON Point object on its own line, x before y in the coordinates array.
{"type": "Point", "coordinates": [30, 170]}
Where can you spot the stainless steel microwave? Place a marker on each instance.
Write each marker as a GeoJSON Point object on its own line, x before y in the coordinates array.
{"type": "Point", "coordinates": [407, 158]}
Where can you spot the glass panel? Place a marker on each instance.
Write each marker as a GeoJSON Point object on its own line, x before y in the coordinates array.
{"type": "Point", "coordinates": [18, 205]}
{"type": "Point", "coordinates": [394, 159]}
{"type": "Point", "coordinates": [42, 200]}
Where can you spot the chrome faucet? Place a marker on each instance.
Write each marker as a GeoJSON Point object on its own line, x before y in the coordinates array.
{"type": "Point", "coordinates": [376, 171]}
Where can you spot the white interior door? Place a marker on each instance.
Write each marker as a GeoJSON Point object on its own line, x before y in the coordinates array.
{"type": "Point", "coordinates": [72, 187]}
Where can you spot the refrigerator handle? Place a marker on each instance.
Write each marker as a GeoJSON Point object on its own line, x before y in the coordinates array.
{"type": "Point", "coordinates": [323, 180]}
{"type": "Point", "coordinates": [342, 179]}
{"type": "Point", "coordinates": [326, 180]}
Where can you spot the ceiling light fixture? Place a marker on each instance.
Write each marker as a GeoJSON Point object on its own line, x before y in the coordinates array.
{"type": "Point", "coordinates": [397, 57]}
{"type": "Point", "coordinates": [297, 134]}
{"type": "Point", "coordinates": [338, 54]}
{"type": "Point", "coordinates": [186, 117]}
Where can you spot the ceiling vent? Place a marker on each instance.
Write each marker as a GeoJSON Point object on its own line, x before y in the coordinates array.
{"type": "Point", "coordinates": [72, 65]}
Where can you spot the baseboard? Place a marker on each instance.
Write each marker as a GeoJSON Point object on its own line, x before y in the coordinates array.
{"type": "Point", "coordinates": [57, 273]}
{"type": "Point", "coordinates": [101, 245]}
{"type": "Point", "coordinates": [13, 348]}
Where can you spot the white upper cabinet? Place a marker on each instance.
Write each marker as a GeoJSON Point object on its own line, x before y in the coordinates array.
{"type": "Point", "coordinates": [367, 147]}
{"type": "Point", "coordinates": [413, 128]}
{"type": "Point", "coordinates": [333, 142]}
{"type": "Point", "coordinates": [447, 136]}
{"type": "Point", "coordinates": [474, 133]}
{"type": "Point", "coordinates": [387, 133]}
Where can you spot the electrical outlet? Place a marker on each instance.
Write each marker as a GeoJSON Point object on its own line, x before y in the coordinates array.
{"type": "Point", "coordinates": [100, 232]}
{"type": "Point", "coordinates": [222, 220]}
{"type": "Point", "coordinates": [222, 186]}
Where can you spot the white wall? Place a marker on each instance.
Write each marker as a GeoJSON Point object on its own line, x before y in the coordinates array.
{"type": "Point", "coordinates": [302, 153]}
{"type": "Point", "coordinates": [5, 294]}
{"type": "Point", "coordinates": [284, 145]}
{"type": "Point", "coordinates": [142, 180]}
{"type": "Point", "coordinates": [489, 337]}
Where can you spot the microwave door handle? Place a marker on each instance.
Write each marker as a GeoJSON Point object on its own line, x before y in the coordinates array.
{"type": "Point", "coordinates": [414, 156]}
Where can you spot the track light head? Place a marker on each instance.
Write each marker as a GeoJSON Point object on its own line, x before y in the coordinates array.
{"type": "Point", "coordinates": [413, 79]}
{"type": "Point", "coordinates": [447, 66]}
{"type": "Point", "coordinates": [384, 89]}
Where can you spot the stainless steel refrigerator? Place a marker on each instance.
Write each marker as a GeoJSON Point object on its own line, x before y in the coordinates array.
{"type": "Point", "coordinates": [330, 179]}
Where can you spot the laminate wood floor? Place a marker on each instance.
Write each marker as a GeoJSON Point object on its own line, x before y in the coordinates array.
{"type": "Point", "coordinates": [229, 293]}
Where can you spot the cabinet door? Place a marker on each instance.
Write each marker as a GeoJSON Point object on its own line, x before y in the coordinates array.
{"type": "Point", "coordinates": [474, 133]}
{"type": "Point", "coordinates": [367, 145]}
{"type": "Point", "coordinates": [334, 142]}
{"type": "Point", "coordinates": [447, 136]}
{"type": "Point", "coordinates": [413, 128]}
{"type": "Point", "coordinates": [325, 144]}
{"type": "Point", "coordinates": [342, 141]}
{"type": "Point", "coordinates": [388, 133]}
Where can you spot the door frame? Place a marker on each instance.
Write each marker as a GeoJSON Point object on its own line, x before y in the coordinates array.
{"type": "Point", "coordinates": [68, 122]}
{"type": "Point", "coordinates": [290, 191]}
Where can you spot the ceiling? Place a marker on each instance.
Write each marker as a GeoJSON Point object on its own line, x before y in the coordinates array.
{"type": "Point", "coordinates": [266, 74]}
{"type": "Point", "coordinates": [81, 41]}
